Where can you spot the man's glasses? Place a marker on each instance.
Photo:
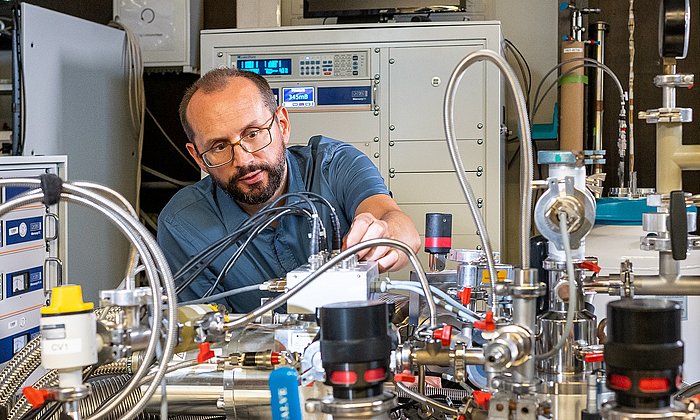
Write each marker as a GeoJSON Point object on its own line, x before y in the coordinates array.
{"type": "Point", "coordinates": [222, 152]}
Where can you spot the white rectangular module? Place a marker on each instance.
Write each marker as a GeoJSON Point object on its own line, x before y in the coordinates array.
{"type": "Point", "coordinates": [32, 246]}
{"type": "Point", "coordinates": [168, 30]}
{"type": "Point", "coordinates": [334, 286]}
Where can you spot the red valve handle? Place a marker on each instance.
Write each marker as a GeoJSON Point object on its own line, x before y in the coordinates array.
{"type": "Point", "coordinates": [205, 353]}
{"type": "Point", "coordinates": [35, 397]}
{"type": "Point", "coordinates": [594, 357]}
{"type": "Point", "coordinates": [482, 398]}
{"type": "Point", "coordinates": [465, 295]}
{"type": "Point", "coordinates": [590, 266]}
{"type": "Point", "coordinates": [404, 377]}
{"type": "Point", "coordinates": [486, 324]}
{"type": "Point", "coordinates": [443, 334]}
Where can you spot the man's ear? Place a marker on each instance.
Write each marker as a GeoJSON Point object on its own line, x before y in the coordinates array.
{"type": "Point", "coordinates": [195, 156]}
{"type": "Point", "coordinates": [285, 127]}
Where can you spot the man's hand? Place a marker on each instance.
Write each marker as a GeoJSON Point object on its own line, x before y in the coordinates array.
{"type": "Point", "coordinates": [378, 216]}
{"type": "Point", "coordinates": [366, 226]}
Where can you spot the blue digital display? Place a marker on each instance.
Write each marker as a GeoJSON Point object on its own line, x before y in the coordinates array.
{"type": "Point", "coordinates": [267, 67]}
{"type": "Point", "coordinates": [298, 97]}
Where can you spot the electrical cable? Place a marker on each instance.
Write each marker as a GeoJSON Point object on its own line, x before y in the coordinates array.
{"type": "Point", "coordinates": [137, 96]}
{"type": "Point", "coordinates": [209, 254]}
{"type": "Point", "coordinates": [164, 177]}
{"type": "Point", "coordinates": [223, 295]}
{"type": "Point", "coordinates": [573, 293]}
{"type": "Point", "coordinates": [526, 169]}
{"type": "Point", "coordinates": [520, 59]}
{"type": "Point", "coordinates": [241, 248]}
{"type": "Point", "coordinates": [282, 299]}
{"type": "Point", "coordinates": [172, 143]}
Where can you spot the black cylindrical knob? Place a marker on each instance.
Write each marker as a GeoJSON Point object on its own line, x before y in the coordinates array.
{"type": "Point", "coordinates": [438, 233]}
{"type": "Point", "coordinates": [355, 347]}
{"type": "Point", "coordinates": [644, 352]}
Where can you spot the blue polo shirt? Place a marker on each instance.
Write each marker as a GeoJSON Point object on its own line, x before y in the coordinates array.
{"type": "Point", "coordinates": [202, 213]}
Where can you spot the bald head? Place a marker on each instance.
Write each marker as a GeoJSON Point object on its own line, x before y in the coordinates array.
{"type": "Point", "coordinates": [217, 80]}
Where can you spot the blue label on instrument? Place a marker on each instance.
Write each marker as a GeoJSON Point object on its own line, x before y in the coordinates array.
{"type": "Point", "coordinates": [284, 392]}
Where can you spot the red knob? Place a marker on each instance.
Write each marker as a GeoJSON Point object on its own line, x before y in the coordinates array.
{"type": "Point", "coordinates": [482, 398]}
{"type": "Point", "coordinates": [593, 357]}
{"type": "Point", "coordinates": [465, 295]}
{"type": "Point", "coordinates": [35, 397]}
{"type": "Point", "coordinates": [404, 377]}
{"type": "Point", "coordinates": [274, 358]}
{"type": "Point", "coordinates": [443, 334]}
{"type": "Point", "coordinates": [205, 353]}
{"type": "Point", "coordinates": [486, 324]}
{"type": "Point", "coordinates": [590, 266]}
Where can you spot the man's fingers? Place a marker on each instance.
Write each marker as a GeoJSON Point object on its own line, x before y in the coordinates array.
{"type": "Point", "coordinates": [357, 230]}
{"type": "Point", "coordinates": [388, 261]}
{"type": "Point", "coordinates": [377, 253]}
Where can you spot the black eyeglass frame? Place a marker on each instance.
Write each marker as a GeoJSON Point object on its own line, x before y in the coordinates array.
{"type": "Point", "coordinates": [239, 142]}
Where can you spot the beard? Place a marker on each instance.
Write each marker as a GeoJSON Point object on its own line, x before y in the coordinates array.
{"type": "Point", "coordinates": [259, 192]}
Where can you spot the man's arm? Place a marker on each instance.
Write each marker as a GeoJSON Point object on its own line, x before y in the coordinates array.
{"type": "Point", "coordinates": [378, 216]}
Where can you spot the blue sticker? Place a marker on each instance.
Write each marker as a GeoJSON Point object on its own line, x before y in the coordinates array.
{"type": "Point", "coordinates": [284, 393]}
{"type": "Point", "coordinates": [24, 230]}
{"type": "Point", "coordinates": [24, 281]}
{"type": "Point", "coordinates": [14, 343]}
{"type": "Point", "coordinates": [345, 95]}
{"type": "Point", "coordinates": [12, 192]}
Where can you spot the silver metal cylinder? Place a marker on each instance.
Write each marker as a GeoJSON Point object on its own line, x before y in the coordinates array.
{"type": "Point", "coordinates": [207, 390]}
{"type": "Point", "coordinates": [565, 361]}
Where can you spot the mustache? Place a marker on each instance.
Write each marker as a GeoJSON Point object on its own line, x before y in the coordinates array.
{"type": "Point", "coordinates": [250, 169]}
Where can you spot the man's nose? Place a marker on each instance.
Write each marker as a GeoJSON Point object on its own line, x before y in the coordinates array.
{"type": "Point", "coordinates": [241, 158]}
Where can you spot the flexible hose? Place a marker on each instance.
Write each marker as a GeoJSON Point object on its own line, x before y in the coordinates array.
{"type": "Point", "coordinates": [282, 299]}
{"type": "Point", "coordinates": [573, 295]}
{"type": "Point", "coordinates": [451, 411]}
{"type": "Point", "coordinates": [222, 295]}
{"type": "Point", "coordinates": [526, 167]}
{"type": "Point", "coordinates": [689, 391]}
{"type": "Point", "coordinates": [154, 262]}
{"type": "Point", "coordinates": [449, 299]}
{"type": "Point", "coordinates": [18, 369]}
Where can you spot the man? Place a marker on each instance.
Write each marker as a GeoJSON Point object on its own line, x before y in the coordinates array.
{"type": "Point", "coordinates": [238, 135]}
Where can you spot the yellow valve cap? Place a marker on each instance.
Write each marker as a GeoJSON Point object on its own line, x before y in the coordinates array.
{"type": "Point", "coordinates": [66, 299]}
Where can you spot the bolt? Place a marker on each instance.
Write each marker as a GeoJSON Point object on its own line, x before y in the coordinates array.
{"type": "Point", "coordinates": [392, 61]}
{"type": "Point", "coordinates": [376, 155]}
{"type": "Point", "coordinates": [220, 54]}
{"type": "Point", "coordinates": [391, 143]}
{"type": "Point", "coordinates": [480, 126]}
{"type": "Point", "coordinates": [480, 141]}
{"type": "Point", "coordinates": [499, 407]}
{"type": "Point", "coordinates": [392, 127]}
{"type": "Point", "coordinates": [376, 139]}
{"type": "Point", "coordinates": [377, 50]}
{"type": "Point", "coordinates": [480, 169]}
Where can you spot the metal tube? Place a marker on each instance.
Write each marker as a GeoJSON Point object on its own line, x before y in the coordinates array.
{"type": "Point", "coordinates": [526, 172]}
{"type": "Point", "coordinates": [280, 300]}
{"type": "Point", "coordinates": [660, 285]}
{"type": "Point", "coordinates": [155, 263]}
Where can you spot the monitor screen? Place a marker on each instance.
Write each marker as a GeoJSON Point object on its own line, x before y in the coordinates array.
{"type": "Point", "coordinates": [333, 8]}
